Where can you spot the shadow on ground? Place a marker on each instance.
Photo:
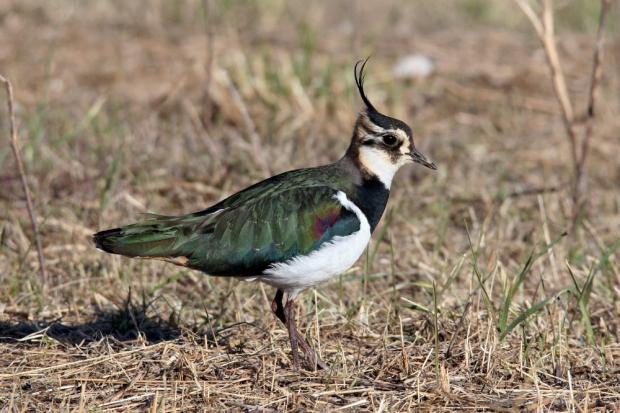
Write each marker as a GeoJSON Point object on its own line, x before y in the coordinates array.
{"type": "Point", "coordinates": [123, 324]}
{"type": "Point", "coordinates": [127, 322]}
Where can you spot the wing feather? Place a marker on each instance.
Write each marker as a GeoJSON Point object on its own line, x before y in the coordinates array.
{"type": "Point", "coordinates": [242, 246]}
{"type": "Point", "coordinates": [283, 217]}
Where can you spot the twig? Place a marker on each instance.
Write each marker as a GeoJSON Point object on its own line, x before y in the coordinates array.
{"type": "Point", "coordinates": [546, 35]}
{"type": "Point", "coordinates": [579, 149]}
{"type": "Point", "coordinates": [22, 174]}
{"type": "Point", "coordinates": [595, 78]}
{"type": "Point", "coordinates": [559, 82]}
{"type": "Point", "coordinates": [513, 194]}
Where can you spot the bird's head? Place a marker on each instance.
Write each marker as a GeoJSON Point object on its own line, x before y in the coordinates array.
{"type": "Point", "coordinates": [380, 144]}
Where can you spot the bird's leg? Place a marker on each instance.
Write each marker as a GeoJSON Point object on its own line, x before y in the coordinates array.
{"type": "Point", "coordinates": [311, 357]}
{"type": "Point", "coordinates": [282, 313]}
{"type": "Point", "coordinates": [292, 331]}
{"type": "Point", "coordinates": [277, 307]}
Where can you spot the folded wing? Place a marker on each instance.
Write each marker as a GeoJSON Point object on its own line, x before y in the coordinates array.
{"type": "Point", "coordinates": [242, 235]}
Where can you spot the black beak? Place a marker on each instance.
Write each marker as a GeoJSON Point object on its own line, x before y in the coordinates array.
{"type": "Point", "coordinates": [419, 157]}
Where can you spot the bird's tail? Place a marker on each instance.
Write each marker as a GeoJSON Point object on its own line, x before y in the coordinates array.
{"type": "Point", "coordinates": [155, 237]}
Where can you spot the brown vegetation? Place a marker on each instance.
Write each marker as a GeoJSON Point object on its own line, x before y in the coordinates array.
{"type": "Point", "coordinates": [469, 296]}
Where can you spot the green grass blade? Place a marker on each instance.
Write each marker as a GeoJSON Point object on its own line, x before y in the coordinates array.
{"type": "Point", "coordinates": [476, 270]}
{"type": "Point", "coordinates": [584, 293]}
{"type": "Point", "coordinates": [522, 317]}
{"type": "Point", "coordinates": [512, 290]}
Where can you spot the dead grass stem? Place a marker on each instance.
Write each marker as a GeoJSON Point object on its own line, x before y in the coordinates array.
{"type": "Point", "coordinates": [14, 138]}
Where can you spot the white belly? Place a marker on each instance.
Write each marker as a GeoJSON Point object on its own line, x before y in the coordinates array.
{"type": "Point", "coordinates": [332, 259]}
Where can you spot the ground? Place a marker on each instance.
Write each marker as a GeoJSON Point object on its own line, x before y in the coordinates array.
{"type": "Point", "coordinates": [168, 106]}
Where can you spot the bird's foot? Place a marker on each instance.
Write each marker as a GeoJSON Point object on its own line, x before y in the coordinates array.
{"type": "Point", "coordinates": [313, 362]}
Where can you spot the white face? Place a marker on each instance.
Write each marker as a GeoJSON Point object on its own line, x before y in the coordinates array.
{"type": "Point", "coordinates": [383, 151]}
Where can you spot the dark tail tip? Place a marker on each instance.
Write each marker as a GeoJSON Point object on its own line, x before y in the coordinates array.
{"type": "Point", "coordinates": [104, 240]}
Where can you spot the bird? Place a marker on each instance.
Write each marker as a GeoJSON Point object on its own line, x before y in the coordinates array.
{"type": "Point", "coordinates": [292, 231]}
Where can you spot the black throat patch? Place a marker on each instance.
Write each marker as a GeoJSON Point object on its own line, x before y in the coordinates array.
{"type": "Point", "coordinates": [371, 197]}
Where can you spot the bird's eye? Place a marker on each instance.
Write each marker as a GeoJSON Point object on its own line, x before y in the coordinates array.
{"type": "Point", "coordinates": [389, 140]}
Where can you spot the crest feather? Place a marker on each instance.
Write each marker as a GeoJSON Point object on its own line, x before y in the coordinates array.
{"type": "Point", "coordinates": [375, 117]}
{"type": "Point", "coordinates": [360, 76]}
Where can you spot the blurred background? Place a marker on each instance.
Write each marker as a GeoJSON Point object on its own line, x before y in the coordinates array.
{"type": "Point", "coordinates": [168, 106]}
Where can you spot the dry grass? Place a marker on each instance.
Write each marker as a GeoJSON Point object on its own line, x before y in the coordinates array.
{"type": "Point", "coordinates": [116, 119]}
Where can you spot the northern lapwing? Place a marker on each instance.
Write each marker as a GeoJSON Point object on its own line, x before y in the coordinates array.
{"type": "Point", "coordinates": [291, 231]}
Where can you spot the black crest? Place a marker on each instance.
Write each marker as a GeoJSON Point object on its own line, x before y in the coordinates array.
{"type": "Point", "coordinates": [360, 76]}
{"type": "Point", "coordinates": [375, 116]}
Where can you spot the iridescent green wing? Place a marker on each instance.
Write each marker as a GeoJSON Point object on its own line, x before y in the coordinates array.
{"type": "Point", "coordinates": [245, 239]}
{"type": "Point", "coordinates": [272, 221]}
{"type": "Point", "coordinates": [297, 179]}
